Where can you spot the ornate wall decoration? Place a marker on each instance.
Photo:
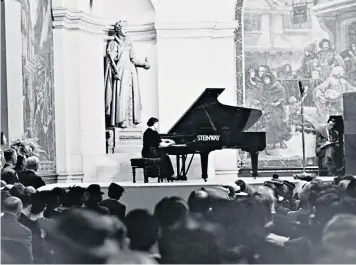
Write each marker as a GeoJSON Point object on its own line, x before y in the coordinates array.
{"type": "Point", "coordinates": [38, 85]}
{"type": "Point", "coordinates": [271, 57]}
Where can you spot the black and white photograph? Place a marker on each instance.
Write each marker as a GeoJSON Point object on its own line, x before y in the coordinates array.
{"type": "Point", "coordinates": [178, 132]}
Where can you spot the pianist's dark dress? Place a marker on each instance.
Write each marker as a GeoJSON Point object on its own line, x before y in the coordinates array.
{"type": "Point", "coordinates": [151, 141]}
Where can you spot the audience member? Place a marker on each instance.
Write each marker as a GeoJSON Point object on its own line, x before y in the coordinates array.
{"type": "Point", "coordinates": [115, 207]}
{"type": "Point", "coordinates": [94, 196]}
{"type": "Point", "coordinates": [142, 230]}
{"type": "Point", "coordinates": [8, 173]}
{"type": "Point", "coordinates": [20, 163]}
{"type": "Point", "coordinates": [81, 236]}
{"type": "Point", "coordinates": [171, 212]}
{"type": "Point", "coordinates": [277, 222]}
{"type": "Point", "coordinates": [29, 176]}
{"type": "Point", "coordinates": [17, 189]}
{"type": "Point", "coordinates": [16, 239]}
{"type": "Point", "coordinates": [29, 190]}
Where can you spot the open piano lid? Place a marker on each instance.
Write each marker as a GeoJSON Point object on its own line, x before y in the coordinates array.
{"type": "Point", "coordinates": [207, 114]}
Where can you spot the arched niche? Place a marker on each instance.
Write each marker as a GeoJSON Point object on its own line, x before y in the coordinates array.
{"type": "Point", "coordinates": [141, 17]}
{"type": "Point", "coordinates": [136, 12]}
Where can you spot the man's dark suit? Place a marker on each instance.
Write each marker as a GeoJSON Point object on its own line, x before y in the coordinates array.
{"type": "Point", "coordinates": [98, 209]}
{"type": "Point", "coordinates": [9, 175]}
{"type": "Point", "coordinates": [115, 208]}
{"type": "Point", "coordinates": [326, 155]}
{"type": "Point", "coordinates": [30, 178]}
{"type": "Point", "coordinates": [16, 240]}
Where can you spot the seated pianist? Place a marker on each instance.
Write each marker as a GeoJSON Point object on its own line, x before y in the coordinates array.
{"type": "Point", "coordinates": [151, 149]}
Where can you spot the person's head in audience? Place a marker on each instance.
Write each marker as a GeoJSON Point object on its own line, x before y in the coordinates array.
{"type": "Point", "coordinates": [4, 195]}
{"type": "Point", "coordinates": [21, 162]}
{"type": "Point", "coordinates": [32, 163]}
{"type": "Point", "coordinates": [12, 205]}
{"type": "Point", "coordinates": [57, 195]}
{"type": "Point", "coordinates": [17, 189]}
{"type": "Point", "coordinates": [241, 184]}
{"type": "Point", "coordinates": [198, 202]}
{"type": "Point", "coordinates": [195, 241]}
{"type": "Point", "coordinates": [115, 191]}
{"type": "Point", "coordinates": [351, 188]}
{"type": "Point", "coordinates": [38, 204]}
{"type": "Point", "coordinates": [80, 236]}
{"type": "Point", "coordinates": [53, 200]}
{"type": "Point", "coordinates": [327, 202]}
{"type": "Point", "coordinates": [26, 200]}
{"type": "Point", "coordinates": [171, 212]}
{"type": "Point", "coordinates": [275, 176]}
{"type": "Point", "coordinates": [153, 123]}
{"type": "Point", "coordinates": [74, 197]}
{"type": "Point", "coordinates": [267, 197]}
{"type": "Point", "coordinates": [271, 185]}
{"type": "Point", "coordinates": [29, 190]}
{"type": "Point", "coordinates": [142, 230]}
{"type": "Point", "coordinates": [94, 195]}
{"type": "Point", "coordinates": [10, 157]}
{"type": "Point", "coordinates": [338, 241]}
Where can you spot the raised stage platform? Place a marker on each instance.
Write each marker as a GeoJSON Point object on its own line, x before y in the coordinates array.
{"type": "Point", "coordinates": [142, 195]}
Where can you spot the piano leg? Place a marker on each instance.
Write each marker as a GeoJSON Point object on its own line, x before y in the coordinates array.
{"type": "Point", "coordinates": [178, 166]}
{"type": "Point", "coordinates": [204, 157]}
{"type": "Point", "coordinates": [181, 169]}
{"type": "Point", "coordinates": [254, 163]}
{"type": "Point", "coordinates": [184, 159]}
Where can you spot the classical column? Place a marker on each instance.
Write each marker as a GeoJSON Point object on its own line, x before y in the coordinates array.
{"type": "Point", "coordinates": [14, 77]}
{"type": "Point", "coordinates": [79, 93]}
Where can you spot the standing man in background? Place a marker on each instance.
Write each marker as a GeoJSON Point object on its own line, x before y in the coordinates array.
{"type": "Point", "coordinates": [327, 141]}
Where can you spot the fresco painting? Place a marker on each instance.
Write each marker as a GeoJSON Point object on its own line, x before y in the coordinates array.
{"type": "Point", "coordinates": [38, 88]}
{"type": "Point", "coordinates": [283, 45]}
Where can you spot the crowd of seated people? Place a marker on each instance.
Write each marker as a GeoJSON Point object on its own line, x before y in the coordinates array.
{"type": "Point", "coordinates": [274, 223]}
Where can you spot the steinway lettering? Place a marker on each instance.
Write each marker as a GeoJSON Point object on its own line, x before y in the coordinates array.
{"type": "Point", "coordinates": [207, 138]}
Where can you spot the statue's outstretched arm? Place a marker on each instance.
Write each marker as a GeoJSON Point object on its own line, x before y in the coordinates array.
{"type": "Point", "coordinates": [138, 63]}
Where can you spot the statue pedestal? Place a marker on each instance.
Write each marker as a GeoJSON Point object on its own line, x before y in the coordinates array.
{"type": "Point", "coordinates": [123, 145]}
{"type": "Point", "coordinates": [128, 140]}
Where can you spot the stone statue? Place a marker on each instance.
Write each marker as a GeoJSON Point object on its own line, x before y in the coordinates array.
{"type": "Point", "coordinates": [122, 93]}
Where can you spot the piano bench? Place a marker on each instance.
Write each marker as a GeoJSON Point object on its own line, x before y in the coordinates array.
{"type": "Point", "coordinates": [147, 164]}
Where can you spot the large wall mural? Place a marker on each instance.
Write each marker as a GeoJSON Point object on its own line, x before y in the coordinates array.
{"type": "Point", "coordinates": [38, 92]}
{"type": "Point", "coordinates": [282, 45]}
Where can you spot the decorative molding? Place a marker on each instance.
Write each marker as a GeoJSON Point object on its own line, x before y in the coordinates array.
{"type": "Point", "coordinates": [70, 178]}
{"type": "Point", "coordinates": [197, 30]}
{"type": "Point", "coordinates": [63, 18]}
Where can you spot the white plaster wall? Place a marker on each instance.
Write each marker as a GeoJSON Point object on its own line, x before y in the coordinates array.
{"type": "Point", "coordinates": [196, 50]}
{"type": "Point", "coordinates": [195, 10]}
{"type": "Point", "coordinates": [14, 68]}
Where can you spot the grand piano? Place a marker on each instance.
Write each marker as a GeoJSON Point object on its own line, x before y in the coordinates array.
{"type": "Point", "coordinates": [209, 125]}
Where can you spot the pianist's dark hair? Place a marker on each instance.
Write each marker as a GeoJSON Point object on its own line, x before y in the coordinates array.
{"type": "Point", "coordinates": [151, 121]}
